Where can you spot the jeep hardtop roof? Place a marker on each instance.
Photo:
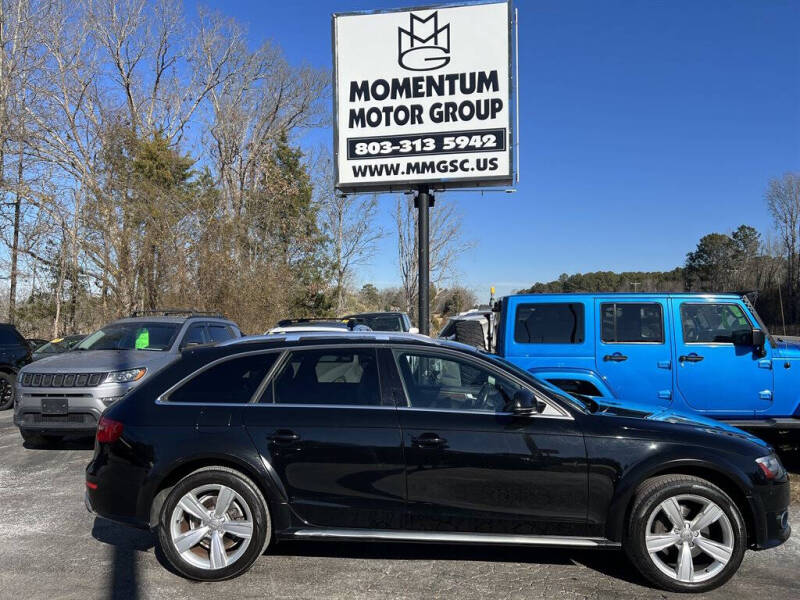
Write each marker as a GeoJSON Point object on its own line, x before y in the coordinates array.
{"type": "Point", "coordinates": [726, 295]}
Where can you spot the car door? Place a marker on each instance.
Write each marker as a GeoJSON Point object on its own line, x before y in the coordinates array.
{"type": "Point", "coordinates": [471, 466]}
{"type": "Point", "coordinates": [716, 374]}
{"type": "Point", "coordinates": [633, 350]}
{"type": "Point", "coordinates": [332, 438]}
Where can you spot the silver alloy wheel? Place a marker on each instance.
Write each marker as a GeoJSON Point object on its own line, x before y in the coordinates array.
{"type": "Point", "coordinates": [689, 538]}
{"type": "Point", "coordinates": [211, 526]}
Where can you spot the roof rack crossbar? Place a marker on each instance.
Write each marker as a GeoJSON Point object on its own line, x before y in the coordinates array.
{"type": "Point", "coordinates": [176, 312]}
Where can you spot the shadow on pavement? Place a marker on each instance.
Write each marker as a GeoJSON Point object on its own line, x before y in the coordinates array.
{"type": "Point", "coordinates": [612, 563]}
{"type": "Point", "coordinates": [126, 544]}
{"type": "Point", "coordinates": [67, 443]}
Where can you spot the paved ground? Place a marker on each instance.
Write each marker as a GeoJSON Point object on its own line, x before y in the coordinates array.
{"type": "Point", "coordinates": [50, 547]}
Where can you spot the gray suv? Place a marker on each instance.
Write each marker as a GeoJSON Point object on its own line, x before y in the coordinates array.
{"type": "Point", "coordinates": [66, 393]}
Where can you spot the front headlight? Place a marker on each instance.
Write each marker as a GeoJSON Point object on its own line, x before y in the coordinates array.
{"type": "Point", "coordinates": [125, 376]}
{"type": "Point", "coordinates": [771, 466]}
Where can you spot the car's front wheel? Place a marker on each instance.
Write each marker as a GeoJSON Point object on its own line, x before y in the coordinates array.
{"type": "Point", "coordinates": [214, 524]}
{"type": "Point", "coordinates": [7, 381]}
{"type": "Point", "coordinates": [685, 534]}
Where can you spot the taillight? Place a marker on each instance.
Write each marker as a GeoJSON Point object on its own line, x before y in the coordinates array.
{"type": "Point", "coordinates": [108, 430]}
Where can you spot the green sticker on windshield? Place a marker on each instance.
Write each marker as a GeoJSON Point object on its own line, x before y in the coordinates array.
{"type": "Point", "coordinates": [142, 339]}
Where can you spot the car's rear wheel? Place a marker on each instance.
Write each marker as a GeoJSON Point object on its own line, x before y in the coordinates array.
{"type": "Point", "coordinates": [214, 524]}
{"type": "Point", "coordinates": [7, 381]}
{"type": "Point", "coordinates": [685, 534]}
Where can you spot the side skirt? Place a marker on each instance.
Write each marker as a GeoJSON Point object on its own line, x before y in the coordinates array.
{"type": "Point", "coordinates": [442, 537]}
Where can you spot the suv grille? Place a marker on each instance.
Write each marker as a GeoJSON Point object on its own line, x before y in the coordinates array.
{"type": "Point", "coordinates": [62, 379]}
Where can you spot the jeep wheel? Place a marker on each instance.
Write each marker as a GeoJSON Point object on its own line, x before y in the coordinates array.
{"type": "Point", "coordinates": [685, 534]}
{"type": "Point", "coordinates": [214, 525]}
{"type": "Point", "coordinates": [7, 381]}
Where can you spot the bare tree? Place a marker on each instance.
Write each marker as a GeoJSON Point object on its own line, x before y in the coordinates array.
{"type": "Point", "coordinates": [447, 244]}
{"type": "Point", "coordinates": [348, 221]}
{"type": "Point", "coordinates": [783, 202]}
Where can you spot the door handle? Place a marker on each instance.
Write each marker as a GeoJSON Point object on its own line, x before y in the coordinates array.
{"type": "Point", "coordinates": [690, 357]}
{"type": "Point", "coordinates": [616, 357]}
{"type": "Point", "coordinates": [284, 436]}
{"type": "Point", "coordinates": [428, 440]}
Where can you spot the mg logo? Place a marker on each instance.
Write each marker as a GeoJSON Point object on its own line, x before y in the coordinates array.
{"type": "Point", "coordinates": [424, 46]}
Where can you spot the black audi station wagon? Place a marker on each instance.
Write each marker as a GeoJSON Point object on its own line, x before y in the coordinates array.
{"type": "Point", "coordinates": [398, 437]}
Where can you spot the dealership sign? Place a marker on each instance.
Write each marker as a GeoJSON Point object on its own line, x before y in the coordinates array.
{"type": "Point", "coordinates": [422, 96]}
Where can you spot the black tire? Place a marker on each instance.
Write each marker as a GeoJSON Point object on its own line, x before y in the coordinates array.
{"type": "Point", "coordinates": [470, 333]}
{"type": "Point", "coordinates": [248, 492]}
{"type": "Point", "coordinates": [647, 500]}
{"type": "Point", "coordinates": [7, 389]}
{"type": "Point", "coordinates": [39, 439]}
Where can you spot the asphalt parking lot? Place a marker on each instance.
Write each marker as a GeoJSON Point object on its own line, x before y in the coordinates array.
{"type": "Point", "coordinates": [53, 548]}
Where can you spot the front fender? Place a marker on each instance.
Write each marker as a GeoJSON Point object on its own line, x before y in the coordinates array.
{"type": "Point", "coordinates": [715, 466]}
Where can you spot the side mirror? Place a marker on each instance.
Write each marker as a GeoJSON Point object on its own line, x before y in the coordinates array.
{"type": "Point", "coordinates": [525, 402]}
{"type": "Point", "coordinates": [759, 341]}
{"type": "Point", "coordinates": [413, 330]}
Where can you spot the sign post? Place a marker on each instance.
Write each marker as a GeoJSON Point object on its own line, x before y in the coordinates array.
{"type": "Point", "coordinates": [423, 202]}
{"type": "Point", "coordinates": [422, 101]}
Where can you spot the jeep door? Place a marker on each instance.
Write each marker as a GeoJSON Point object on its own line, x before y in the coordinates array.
{"type": "Point", "coordinates": [632, 348]}
{"type": "Point", "coordinates": [332, 438]}
{"type": "Point", "coordinates": [471, 466]}
{"type": "Point", "coordinates": [716, 374]}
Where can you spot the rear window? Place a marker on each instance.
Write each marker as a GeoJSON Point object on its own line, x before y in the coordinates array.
{"type": "Point", "coordinates": [632, 322]}
{"type": "Point", "coordinates": [549, 323]}
{"type": "Point", "coordinates": [333, 377]}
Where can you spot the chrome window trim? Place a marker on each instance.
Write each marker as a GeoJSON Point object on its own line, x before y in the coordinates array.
{"type": "Point", "coordinates": [563, 413]}
{"type": "Point", "coordinates": [561, 417]}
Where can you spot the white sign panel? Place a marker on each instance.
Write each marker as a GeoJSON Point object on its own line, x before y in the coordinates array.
{"type": "Point", "coordinates": [422, 97]}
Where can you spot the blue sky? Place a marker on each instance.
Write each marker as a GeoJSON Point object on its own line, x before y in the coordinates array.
{"type": "Point", "coordinates": [644, 125]}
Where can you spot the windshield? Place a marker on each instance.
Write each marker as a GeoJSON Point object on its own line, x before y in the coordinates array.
{"type": "Point", "coordinates": [131, 336]}
{"type": "Point", "coordinates": [540, 386]}
{"type": "Point", "coordinates": [754, 312]}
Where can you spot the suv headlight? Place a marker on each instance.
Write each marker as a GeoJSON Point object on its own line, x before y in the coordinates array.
{"type": "Point", "coordinates": [771, 467]}
{"type": "Point", "coordinates": [125, 376]}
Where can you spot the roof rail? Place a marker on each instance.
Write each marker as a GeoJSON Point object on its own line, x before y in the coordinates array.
{"type": "Point", "coordinates": [176, 312]}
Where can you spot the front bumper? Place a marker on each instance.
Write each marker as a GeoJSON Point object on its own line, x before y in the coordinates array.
{"type": "Point", "coordinates": [84, 407]}
{"type": "Point", "coordinates": [771, 515]}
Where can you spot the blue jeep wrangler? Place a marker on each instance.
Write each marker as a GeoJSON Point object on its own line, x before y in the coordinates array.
{"type": "Point", "coordinates": [706, 353]}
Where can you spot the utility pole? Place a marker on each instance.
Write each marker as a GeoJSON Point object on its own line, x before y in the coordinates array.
{"type": "Point", "coordinates": [423, 202]}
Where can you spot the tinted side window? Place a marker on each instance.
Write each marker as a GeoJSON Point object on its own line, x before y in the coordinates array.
{"type": "Point", "coordinates": [433, 381]}
{"type": "Point", "coordinates": [550, 323]}
{"type": "Point", "coordinates": [632, 322]}
{"type": "Point", "coordinates": [329, 376]}
{"type": "Point", "coordinates": [231, 381]}
{"type": "Point", "coordinates": [220, 333]}
{"type": "Point", "coordinates": [713, 323]}
{"type": "Point", "coordinates": [196, 334]}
